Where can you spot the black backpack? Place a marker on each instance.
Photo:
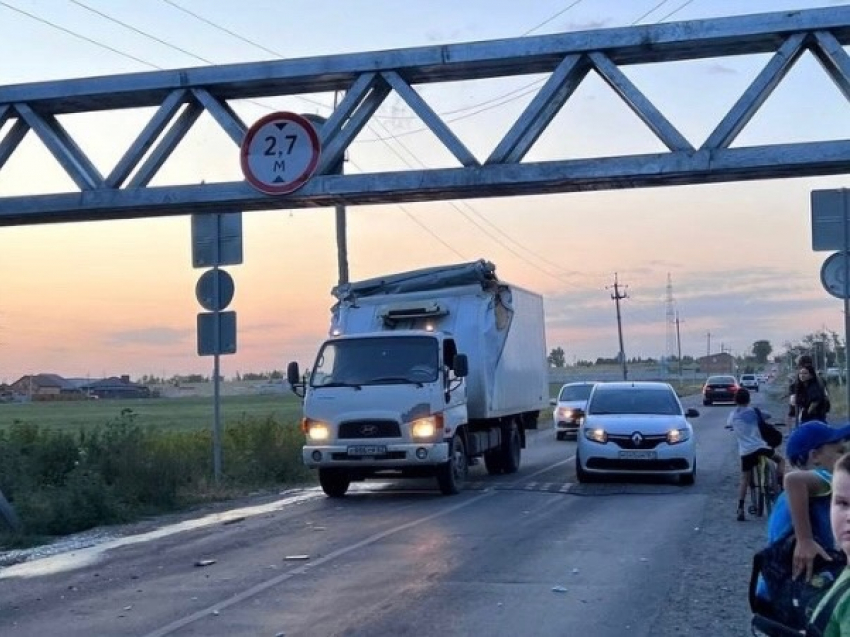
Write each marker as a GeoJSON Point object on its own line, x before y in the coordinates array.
{"type": "Point", "coordinates": [770, 434]}
{"type": "Point", "coordinates": [792, 602]}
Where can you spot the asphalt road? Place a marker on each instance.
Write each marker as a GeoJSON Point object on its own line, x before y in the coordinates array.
{"type": "Point", "coordinates": [529, 554]}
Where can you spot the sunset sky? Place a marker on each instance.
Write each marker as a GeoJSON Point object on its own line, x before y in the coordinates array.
{"type": "Point", "coordinates": [118, 297]}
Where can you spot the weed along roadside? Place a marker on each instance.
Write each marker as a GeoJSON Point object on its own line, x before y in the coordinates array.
{"type": "Point", "coordinates": [101, 469]}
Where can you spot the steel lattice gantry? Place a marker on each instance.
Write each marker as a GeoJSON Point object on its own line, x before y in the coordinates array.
{"type": "Point", "coordinates": [180, 96]}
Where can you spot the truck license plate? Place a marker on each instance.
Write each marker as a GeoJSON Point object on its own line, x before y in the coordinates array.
{"type": "Point", "coordinates": [367, 450]}
{"type": "Point", "coordinates": [638, 455]}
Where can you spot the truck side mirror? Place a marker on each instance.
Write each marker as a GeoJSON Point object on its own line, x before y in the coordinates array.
{"type": "Point", "coordinates": [293, 374]}
{"type": "Point", "coordinates": [460, 365]}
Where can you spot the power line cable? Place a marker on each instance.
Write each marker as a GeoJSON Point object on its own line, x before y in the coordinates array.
{"type": "Point", "coordinates": [657, 6]}
{"type": "Point", "coordinates": [675, 11]}
{"type": "Point", "coordinates": [80, 36]}
{"type": "Point", "coordinates": [223, 29]}
{"type": "Point", "coordinates": [140, 32]}
{"type": "Point", "coordinates": [550, 18]}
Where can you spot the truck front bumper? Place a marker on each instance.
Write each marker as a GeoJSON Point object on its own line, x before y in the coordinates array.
{"type": "Point", "coordinates": [376, 455]}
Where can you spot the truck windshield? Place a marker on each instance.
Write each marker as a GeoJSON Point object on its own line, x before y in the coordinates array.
{"type": "Point", "coordinates": [376, 361]}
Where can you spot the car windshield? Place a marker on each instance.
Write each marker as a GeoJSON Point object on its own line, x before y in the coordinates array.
{"type": "Point", "coordinates": [574, 393]}
{"type": "Point", "coordinates": [635, 401]}
{"type": "Point", "coordinates": [720, 380]}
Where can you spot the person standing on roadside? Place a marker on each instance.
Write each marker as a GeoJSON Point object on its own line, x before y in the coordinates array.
{"type": "Point", "coordinates": [810, 395]}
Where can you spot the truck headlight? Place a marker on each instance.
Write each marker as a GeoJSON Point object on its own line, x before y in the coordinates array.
{"type": "Point", "coordinates": [429, 427]}
{"type": "Point", "coordinates": [596, 435]}
{"type": "Point", "coordinates": [315, 430]}
{"type": "Point", "coordinates": [675, 436]}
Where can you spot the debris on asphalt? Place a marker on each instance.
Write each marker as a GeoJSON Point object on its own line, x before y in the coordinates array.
{"type": "Point", "coordinates": [296, 557]}
{"type": "Point", "coordinates": [202, 563]}
{"type": "Point", "coordinates": [559, 589]}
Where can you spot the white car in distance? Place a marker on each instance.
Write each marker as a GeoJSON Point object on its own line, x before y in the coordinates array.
{"type": "Point", "coordinates": [569, 408]}
{"type": "Point", "coordinates": [749, 381]}
{"type": "Point", "coordinates": [636, 428]}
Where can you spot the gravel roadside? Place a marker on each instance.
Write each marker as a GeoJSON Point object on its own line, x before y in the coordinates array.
{"type": "Point", "coordinates": [710, 599]}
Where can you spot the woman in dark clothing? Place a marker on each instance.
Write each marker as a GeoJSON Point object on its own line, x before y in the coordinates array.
{"type": "Point", "coordinates": [810, 395]}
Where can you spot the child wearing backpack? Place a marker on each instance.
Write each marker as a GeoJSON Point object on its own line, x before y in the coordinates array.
{"type": "Point", "coordinates": [744, 421]}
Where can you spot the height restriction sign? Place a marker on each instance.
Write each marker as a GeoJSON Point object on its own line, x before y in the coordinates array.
{"type": "Point", "coordinates": [280, 153]}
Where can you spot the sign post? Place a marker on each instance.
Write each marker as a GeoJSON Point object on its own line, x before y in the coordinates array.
{"type": "Point", "coordinates": [831, 231]}
{"type": "Point", "coordinates": [216, 240]}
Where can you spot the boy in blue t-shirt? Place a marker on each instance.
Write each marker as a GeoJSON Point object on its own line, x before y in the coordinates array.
{"type": "Point", "coordinates": [803, 507]}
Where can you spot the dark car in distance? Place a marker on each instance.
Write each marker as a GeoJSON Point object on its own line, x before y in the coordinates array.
{"type": "Point", "coordinates": [719, 389]}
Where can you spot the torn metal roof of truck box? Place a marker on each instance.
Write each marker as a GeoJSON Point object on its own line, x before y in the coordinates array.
{"type": "Point", "coordinates": [436, 278]}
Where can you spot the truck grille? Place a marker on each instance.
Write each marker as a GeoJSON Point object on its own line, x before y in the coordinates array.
{"type": "Point", "coordinates": [365, 429]}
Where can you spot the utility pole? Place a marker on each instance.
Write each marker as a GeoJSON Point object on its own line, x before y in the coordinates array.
{"type": "Point", "coordinates": [708, 347]}
{"type": "Point", "coordinates": [616, 296]}
{"type": "Point", "coordinates": [340, 213]}
{"type": "Point", "coordinates": [670, 325]}
{"type": "Point", "coordinates": [679, 348]}
{"type": "Point", "coordinates": [341, 226]}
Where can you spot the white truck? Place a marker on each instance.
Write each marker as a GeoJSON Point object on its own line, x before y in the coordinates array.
{"type": "Point", "coordinates": [424, 372]}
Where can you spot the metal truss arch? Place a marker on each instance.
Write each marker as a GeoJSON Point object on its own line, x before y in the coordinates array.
{"type": "Point", "coordinates": [180, 97]}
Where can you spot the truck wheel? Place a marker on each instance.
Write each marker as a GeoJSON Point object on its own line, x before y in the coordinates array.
{"type": "Point", "coordinates": [334, 482]}
{"type": "Point", "coordinates": [511, 449]}
{"type": "Point", "coordinates": [452, 474]}
{"type": "Point", "coordinates": [493, 461]}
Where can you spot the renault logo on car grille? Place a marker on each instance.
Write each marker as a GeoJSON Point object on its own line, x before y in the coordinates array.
{"type": "Point", "coordinates": [637, 439]}
{"type": "Point", "coordinates": [369, 430]}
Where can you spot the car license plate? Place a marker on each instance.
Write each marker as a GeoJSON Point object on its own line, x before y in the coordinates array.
{"type": "Point", "coordinates": [367, 450]}
{"type": "Point", "coordinates": [638, 455]}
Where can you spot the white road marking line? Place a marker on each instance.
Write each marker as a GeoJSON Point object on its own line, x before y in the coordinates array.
{"type": "Point", "coordinates": [259, 588]}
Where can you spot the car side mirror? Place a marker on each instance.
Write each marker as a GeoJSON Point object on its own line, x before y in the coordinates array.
{"type": "Point", "coordinates": [553, 401]}
{"type": "Point", "coordinates": [691, 413]}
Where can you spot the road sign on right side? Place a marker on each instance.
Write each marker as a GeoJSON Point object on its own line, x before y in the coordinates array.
{"type": "Point", "coordinates": [832, 275]}
{"type": "Point", "coordinates": [828, 212]}
{"type": "Point", "coordinates": [279, 153]}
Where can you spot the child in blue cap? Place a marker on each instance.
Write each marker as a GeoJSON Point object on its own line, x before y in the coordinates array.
{"type": "Point", "coordinates": [803, 507]}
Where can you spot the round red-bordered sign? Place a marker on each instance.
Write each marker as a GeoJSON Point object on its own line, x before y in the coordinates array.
{"type": "Point", "coordinates": [279, 153]}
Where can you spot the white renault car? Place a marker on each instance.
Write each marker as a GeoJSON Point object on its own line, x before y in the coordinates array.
{"type": "Point", "coordinates": [637, 428]}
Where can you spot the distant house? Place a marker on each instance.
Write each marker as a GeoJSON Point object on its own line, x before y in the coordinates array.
{"type": "Point", "coordinates": [722, 363]}
{"type": "Point", "coordinates": [116, 387]}
{"type": "Point", "coordinates": [44, 387]}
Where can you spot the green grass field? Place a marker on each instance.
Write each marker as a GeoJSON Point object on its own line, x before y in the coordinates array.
{"type": "Point", "coordinates": [170, 413]}
{"type": "Point", "coordinates": [186, 413]}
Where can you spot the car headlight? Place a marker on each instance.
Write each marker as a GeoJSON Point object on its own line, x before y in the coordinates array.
{"type": "Point", "coordinates": [424, 428]}
{"type": "Point", "coordinates": [675, 436]}
{"type": "Point", "coordinates": [315, 430]}
{"type": "Point", "coordinates": [596, 435]}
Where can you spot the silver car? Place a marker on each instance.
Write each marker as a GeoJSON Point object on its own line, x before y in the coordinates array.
{"type": "Point", "coordinates": [569, 408]}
